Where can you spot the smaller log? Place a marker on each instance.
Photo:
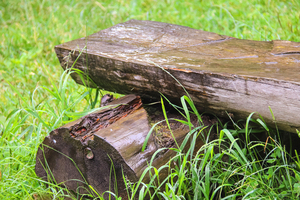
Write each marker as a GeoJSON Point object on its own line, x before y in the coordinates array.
{"type": "Point", "coordinates": [102, 148]}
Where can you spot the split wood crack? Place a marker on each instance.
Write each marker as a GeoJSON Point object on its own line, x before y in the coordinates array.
{"type": "Point", "coordinates": [94, 122]}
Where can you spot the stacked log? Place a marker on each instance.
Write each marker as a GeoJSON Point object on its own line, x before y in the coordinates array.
{"type": "Point", "coordinates": [102, 148]}
{"type": "Point", "coordinates": [145, 59]}
{"type": "Point", "coordinates": [219, 72]}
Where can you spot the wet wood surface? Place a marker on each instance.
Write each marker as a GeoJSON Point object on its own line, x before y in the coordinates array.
{"type": "Point", "coordinates": [220, 73]}
{"type": "Point", "coordinates": [101, 148]}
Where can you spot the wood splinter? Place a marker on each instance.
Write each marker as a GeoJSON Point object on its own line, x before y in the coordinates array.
{"type": "Point", "coordinates": [100, 120]}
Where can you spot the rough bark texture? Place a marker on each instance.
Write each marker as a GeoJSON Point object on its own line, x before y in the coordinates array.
{"type": "Point", "coordinates": [82, 152]}
{"type": "Point", "coordinates": [99, 148]}
{"type": "Point", "coordinates": [220, 73]}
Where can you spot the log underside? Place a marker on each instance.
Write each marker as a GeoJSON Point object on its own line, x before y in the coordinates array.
{"type": "Point", "coordinates": [100, 148]}
{"type": "Point", "coordinates": [220, 73]}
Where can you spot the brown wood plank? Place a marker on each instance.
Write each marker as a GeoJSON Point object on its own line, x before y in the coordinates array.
{"type": "Point", "coordinates": [220, 73]}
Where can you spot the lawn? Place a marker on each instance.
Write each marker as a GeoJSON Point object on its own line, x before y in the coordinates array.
{"type": "Point", "coordinates": [37, 96]}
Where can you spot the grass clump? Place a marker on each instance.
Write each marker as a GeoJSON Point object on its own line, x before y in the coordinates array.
{"type": "Point", "coordinates": [247, 160]}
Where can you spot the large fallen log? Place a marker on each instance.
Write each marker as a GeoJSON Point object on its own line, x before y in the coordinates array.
{"type": "Point", "coordinates": [102, 148]}
{"type": "Point", "coordinates": [220, 73]}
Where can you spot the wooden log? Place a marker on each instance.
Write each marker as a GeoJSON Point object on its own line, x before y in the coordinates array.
{"type": "Point", "coordinates": [102, 148]}
{"type": "Point", "coordinates": [220, 73]}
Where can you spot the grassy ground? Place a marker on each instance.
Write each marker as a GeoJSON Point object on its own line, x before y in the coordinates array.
{"type": "Point", "coordinates": [37, 97]}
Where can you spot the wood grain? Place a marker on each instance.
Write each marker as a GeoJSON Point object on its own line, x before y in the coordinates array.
{"type": "Point", "coordinates": [220, 73]}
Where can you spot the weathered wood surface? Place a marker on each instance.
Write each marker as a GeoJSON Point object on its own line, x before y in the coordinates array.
{"type": "Point", "coordinates": [220, 73]}
{"type": "Point", "coordinates": [99, 148]}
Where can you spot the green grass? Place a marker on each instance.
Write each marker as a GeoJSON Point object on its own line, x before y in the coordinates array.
{"type": "Point", "coordinates": [235, 165]}
{"type": "Point", "coordinates": [36, 96]}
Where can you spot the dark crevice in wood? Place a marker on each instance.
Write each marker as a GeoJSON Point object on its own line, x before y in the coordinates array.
{"type": "Point", "coordinates": [85, 129]}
